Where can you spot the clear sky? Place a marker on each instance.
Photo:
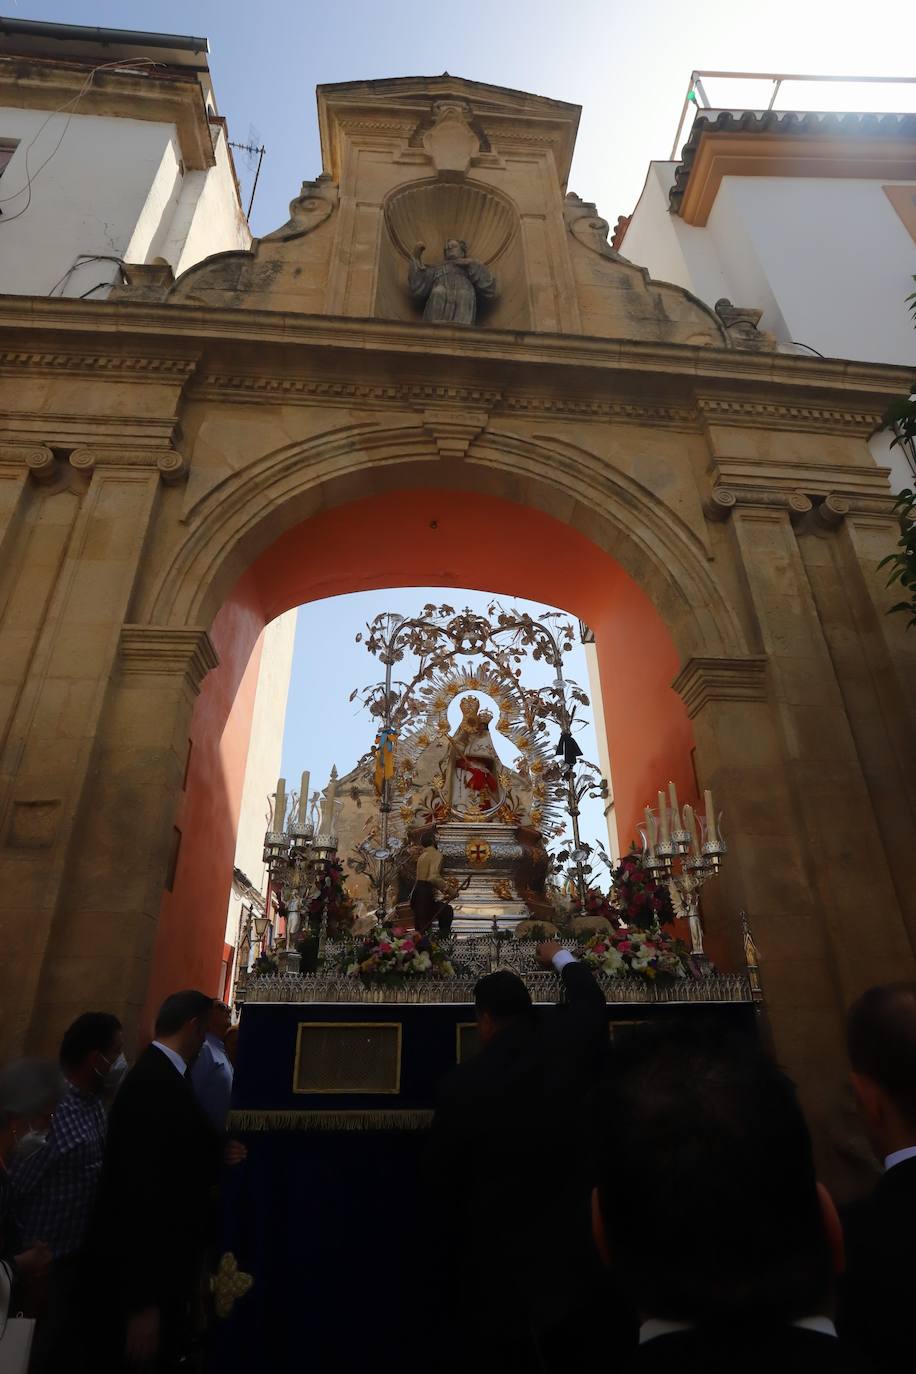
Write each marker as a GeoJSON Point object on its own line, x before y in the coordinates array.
{"type": "Point", "coordinates": [323, 727]}
{"type": "Point", "coordinates": [627, 65]}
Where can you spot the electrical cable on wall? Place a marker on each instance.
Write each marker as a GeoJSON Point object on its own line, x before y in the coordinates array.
{"type": "Point", "coordinates": [74, 102]}
{"type": "Point", "coordinates": [83, 260]}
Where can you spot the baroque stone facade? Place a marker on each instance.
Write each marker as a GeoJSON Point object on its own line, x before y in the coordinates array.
{"type": "Point", "coordinates": [156, 448]}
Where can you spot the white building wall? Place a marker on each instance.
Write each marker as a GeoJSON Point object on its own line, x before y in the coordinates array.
{"type": "Point", "coordinates": [114, 187]}
{"type": "Point", "coordinates": [828, 260]}
{"type": "Point", "coordinates": [264, 751]}
{"type": "Point", "coordinates": [209, 200]}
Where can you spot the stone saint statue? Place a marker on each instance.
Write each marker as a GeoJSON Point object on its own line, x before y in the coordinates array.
{"type": "Point", "coordinates": [450, 291]}
{"type": "Point", "coordinates": [472, 772]}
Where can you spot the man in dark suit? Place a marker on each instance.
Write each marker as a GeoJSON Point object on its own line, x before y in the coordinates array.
{"type": "Point", "coordinates": [154, 1214]}
{"type": "Point", "coordinates": [708, 1212]}
{"type": "Point", "coordinates": [877, 1291]}
{"type": "Point", "coordinates": [511, 1175]}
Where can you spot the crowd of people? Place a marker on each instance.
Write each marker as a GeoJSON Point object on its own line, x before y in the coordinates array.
{"type": "Point", "coordinates": [108, 1187]}
{"type": "Point", "coordinates": [650, 1206]}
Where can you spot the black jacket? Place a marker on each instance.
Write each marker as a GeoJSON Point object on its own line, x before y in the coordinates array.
{"type": "Point", "coordinates": [155, 1201]}
{"type": "Point", "coordinates": [512, 1181]}
{"type": "Point", "coordinates": [879, 1287]}
{"type": "Point", "coordinates": [785, 1350]}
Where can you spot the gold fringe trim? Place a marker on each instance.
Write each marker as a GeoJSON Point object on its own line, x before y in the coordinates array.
{"type": "Point", "coordinates": [418, 1120]}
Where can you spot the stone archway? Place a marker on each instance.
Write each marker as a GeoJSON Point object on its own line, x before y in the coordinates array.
{"type": "Point", "coordinates": [161, 447]}
{"type": "Point", "coordinates": [530, 553]}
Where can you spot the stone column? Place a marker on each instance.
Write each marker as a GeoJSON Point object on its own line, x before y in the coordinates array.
{"type": "Point", "coordinates": [59, 636]}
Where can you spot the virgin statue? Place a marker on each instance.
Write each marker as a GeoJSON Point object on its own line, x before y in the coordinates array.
{"type": "Point", "coordinates": [450, 291]}
{"type": "Point", "coordinates": [472, 773]}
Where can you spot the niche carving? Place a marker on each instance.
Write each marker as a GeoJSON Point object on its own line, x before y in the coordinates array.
{"type": "Point", "coordinates": [432, 212]}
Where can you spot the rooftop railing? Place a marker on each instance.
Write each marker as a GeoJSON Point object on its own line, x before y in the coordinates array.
{"type": "Point", "coordinates": [708, 90]}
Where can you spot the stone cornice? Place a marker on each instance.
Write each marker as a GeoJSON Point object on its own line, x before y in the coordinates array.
{"type": "Point", "coordinates": [812, 477]}
{"type": "Point", "coordinates": [158, 651]}
{"type": "Point", "coordinates": [124, 366]}
{"type": "Point", "coordinates": [818, 419]}
{"type": "Point", "coordinates": [316, 390]}
{"type": "Point", "coordinates": [164, 97]}
{"type": "Point", "coordinates": [848, 389]}
{"type": "Point", "coordinates": [702, 680]}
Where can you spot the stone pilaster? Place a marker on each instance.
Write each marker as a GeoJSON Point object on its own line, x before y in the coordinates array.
{"type": "Point", "coordinates": [125, 839]}
{"type": "Point", "coordinates": [66, 601]}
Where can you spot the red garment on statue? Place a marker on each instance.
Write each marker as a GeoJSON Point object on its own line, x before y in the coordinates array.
{"type": "Point", "coordinates": [478, 779]}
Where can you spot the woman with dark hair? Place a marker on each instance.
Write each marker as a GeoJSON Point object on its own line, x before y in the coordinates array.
{"type": "Point", "coordinates": [425, 902]}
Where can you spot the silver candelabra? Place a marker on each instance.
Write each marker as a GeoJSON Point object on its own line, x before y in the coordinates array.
{"type": "Point", "coordinates": [686, 850]}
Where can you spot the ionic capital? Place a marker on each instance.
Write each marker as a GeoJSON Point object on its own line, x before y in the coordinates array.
{"type": "Point", "coordinates": [723, 501]}
{"type": "Point", "coordinates": [170, 464]}
{"type": "Point", "coordinates": [36, 458]}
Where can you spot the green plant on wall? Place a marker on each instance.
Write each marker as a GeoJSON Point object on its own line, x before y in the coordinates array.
{"type": "Point", "coordinates": [901, 418]}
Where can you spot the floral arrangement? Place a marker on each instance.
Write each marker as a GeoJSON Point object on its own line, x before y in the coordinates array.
{"type": "Point", "coordinates": [390, 956]}
{"type": "Point", "coordinates": [330, 896]}
{"type": "Point", "coordinates": [265, 966]}
{"type": "Point", "coordinates": [624, 950]}
{"type": "Point", "coordinates": [637, 907]}
{"type": "Point", "coordinates": [638, 899]}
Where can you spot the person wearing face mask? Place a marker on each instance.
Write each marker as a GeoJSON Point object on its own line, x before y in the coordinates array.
{"type": "Point", "coordinates": [155, 1212]}
{"type": "Point", "coordinates": [29, 1091]}
{"type": "Point", "coordinates": [55, 1181]}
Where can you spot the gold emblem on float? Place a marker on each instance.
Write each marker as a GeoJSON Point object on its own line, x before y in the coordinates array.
{"type": "Point", "coordinates": [477, 852]}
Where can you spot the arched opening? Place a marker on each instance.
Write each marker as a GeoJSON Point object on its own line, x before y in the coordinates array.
{"type": "Point", "coordinates": [445, 537]}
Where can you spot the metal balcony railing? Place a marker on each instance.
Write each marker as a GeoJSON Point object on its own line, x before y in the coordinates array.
{"type": "Point", "coordinates": [738, 91]}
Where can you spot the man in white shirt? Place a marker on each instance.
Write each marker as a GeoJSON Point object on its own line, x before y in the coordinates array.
{"type": "Point", "coordinates": [877, 1291]}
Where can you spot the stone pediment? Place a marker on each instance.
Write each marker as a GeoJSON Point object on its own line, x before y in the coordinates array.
{"type": "Point", "coordinates": [412, 163]}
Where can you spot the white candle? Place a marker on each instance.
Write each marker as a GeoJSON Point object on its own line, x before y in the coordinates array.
{"type": "Point", "coordinates": [303, 798]}
{"type": "Point", "coordinates": [651, 831]}
{"type": "Point", "coordinates": [280, 804]}
{"type": "Point", "coordinates": [676, 822]}
{"type": "Point", "coordinates": [711, 835]}
{"type": "Point", "coordinates": [690, 825]}
{"type": "Point", "coordinates": [664, 832]}
{"type": "Point", "coordinates": [330, 797]}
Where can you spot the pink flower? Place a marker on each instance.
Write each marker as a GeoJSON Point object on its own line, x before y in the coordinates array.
{"type": "Point", "coordinates": [384, 947]}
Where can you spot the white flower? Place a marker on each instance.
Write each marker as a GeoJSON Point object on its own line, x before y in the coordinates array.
{"type": "Point", "coordinates": [612, 961]}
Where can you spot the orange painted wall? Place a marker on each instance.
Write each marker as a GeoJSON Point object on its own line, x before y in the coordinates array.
{"type": "Point", "coordinates": [192, 918]}
{"type": "Point", "coordinates": [439, 543]}
{"type": "Point", "coordinates": [649, 735]}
